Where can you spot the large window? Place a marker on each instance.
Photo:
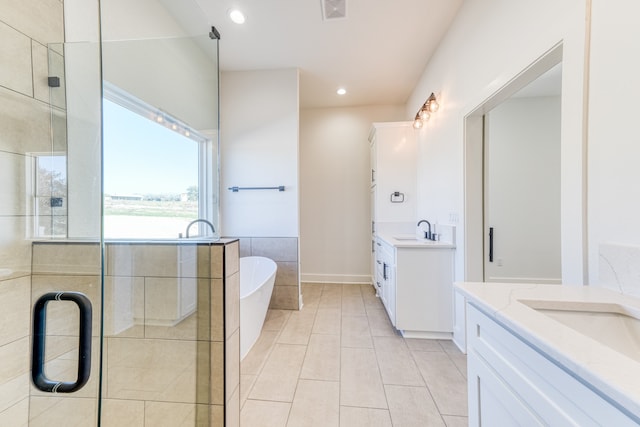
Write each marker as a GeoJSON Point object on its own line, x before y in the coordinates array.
{"type": "Point", "coordinates": [153, 170]}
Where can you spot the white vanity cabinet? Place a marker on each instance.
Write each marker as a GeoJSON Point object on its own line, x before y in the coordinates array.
{"type": "Point", "coordinates": [385, 277]}
{"type": "Point", "coordinates": [424, 292]}
{"type": "Point", "coordinates": [414, 282]}
{"type": "Point", "coordinates": [511, 382]}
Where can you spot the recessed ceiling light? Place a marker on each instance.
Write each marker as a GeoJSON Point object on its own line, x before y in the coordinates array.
{"type": "Point", "coordinates": [236, 16]}
{"type": "Point", "coordinates": [341, 91]}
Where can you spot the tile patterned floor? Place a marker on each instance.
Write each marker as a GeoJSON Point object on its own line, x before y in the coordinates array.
{"type": "Point", "coordinates": [339, 362]}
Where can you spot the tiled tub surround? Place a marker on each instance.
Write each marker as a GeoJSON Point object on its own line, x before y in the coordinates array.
{"type": "Point", "coordinates": [171, 329]}
{"type": "Point", "coordinates": [284, 251]}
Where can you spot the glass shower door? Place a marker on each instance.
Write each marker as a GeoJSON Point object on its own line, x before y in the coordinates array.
{"type": "Point", "coordinates": [160, 166]}
{"type": "Point", "coordinates": [113, 331]}
{"type": "Point", "coordinates": [50, 249]}
{"type": "Point", "coordinates": [161, 359]}
{"type": "Point", "coordinates": [66, 254]}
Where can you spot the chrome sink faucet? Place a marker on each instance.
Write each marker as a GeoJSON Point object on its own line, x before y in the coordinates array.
{"type": "Point", "coordinates": [427, 234]}
{"type": "Point", "coordinates": [213, 230]}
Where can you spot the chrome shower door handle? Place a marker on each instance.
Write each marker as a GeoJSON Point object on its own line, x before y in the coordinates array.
{"type": "Point", "coordinates": [39, 335]}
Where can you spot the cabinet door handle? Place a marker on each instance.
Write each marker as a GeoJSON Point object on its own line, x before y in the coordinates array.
{"type": "Point", "coordinates": [490, 244]}
{"type": "Point", "coordinates": [39, 334]}
{"type": "Point", "coordinates": [384, 271]}
{"type": "Point", "coordinates": [378, 261]}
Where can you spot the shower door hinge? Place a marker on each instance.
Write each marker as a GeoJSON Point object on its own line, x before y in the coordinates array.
{"type": "Point", "coordinates": [53, 81]}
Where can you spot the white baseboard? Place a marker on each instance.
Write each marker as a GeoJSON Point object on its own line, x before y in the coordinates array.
{"type": "Point", "coordinates": [427, 335]}
{"type": "Point", "coordinates": [335, 278]}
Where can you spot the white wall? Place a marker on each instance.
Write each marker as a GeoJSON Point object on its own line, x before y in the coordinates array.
{"type": "Point", "coordinates": [522, 176]}
{"type": "Point", "coordinates": [614, 146]}
{"type": "Point", "coordinates": [335, 232]}
{"type": "Point", "coordinates": [489, 43]}
{"type": "Point", "coordinates": [259, 147]}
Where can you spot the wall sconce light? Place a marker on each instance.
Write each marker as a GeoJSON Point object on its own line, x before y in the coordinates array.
{"type": "Point", "coordinates": [423, 114]}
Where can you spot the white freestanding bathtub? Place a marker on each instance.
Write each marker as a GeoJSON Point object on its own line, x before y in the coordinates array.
{"type": "Point", "coordinates": [257, 276]}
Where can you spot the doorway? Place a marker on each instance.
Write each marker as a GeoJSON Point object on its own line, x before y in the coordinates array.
{"type": "Point", "coordinates": [507, 170]}
{"type": "Point", "coordinates": [521, 151]}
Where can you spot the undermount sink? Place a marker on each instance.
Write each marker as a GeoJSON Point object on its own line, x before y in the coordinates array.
{"type": "Point", "coordinates": [613, 325]}
{"type": "Point", "coordinates": [412, 238]}
{"type": "Point", "coordinates": [405, 237]}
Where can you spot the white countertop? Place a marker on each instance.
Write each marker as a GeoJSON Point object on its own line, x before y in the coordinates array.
{"type": "Point", "coordinates": [605, 369]}
{"type": "Point", "coordinates": [410, 241]}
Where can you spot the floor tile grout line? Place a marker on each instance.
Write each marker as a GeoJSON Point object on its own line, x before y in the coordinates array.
{"type": "Point", "coordinates": [429, 388]}
{"type": "Point", "coordinates": [375, 352]}
{"type": "Point", "coordinates": [264, 362]}
{"type": "Point", "coordinates": [315, 315]}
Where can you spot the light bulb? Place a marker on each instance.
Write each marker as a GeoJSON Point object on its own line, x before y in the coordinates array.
{"type": "Point", "coordinates": [159, 119]}
{"type": "Point", "coordinates": [424, 114]}
{"type": "Point", "coordinates": [417, 123]}
{"type": "Point", "coordinates": [237, 16]}
{"type": "Point", "coordinates": [174, 126]}
{"type": "Point", "coordinates": [341, 91]}
{"type": "Point", "coordinates": [433, 106]}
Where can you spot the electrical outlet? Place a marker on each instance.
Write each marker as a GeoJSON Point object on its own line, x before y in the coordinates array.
{"type": "Point", "coordinates": [453, 217]}
{"type": "Point", "coordinates": [499, 262]}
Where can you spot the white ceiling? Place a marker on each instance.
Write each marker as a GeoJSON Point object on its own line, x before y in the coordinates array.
{"type": "Point", "coordinates": [378, 52]}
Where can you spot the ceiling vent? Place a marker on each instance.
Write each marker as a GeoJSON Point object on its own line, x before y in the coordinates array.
{"type": "Point", "coordinates": [334, 9]}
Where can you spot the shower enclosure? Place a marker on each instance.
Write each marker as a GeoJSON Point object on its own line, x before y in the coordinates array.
{"type": "Point", "coordinates": [109, 150]}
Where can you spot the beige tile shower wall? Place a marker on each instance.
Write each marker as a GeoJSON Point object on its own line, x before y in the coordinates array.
{"type": "Point", "coordinates": [171, 318]}
{"type": "Point", "coordinates": [284, 251]}
{"type": "Point", "coordinates": [15, 294]}
{"type": "Point", "coordinates": [232, 334]}
{"type": "Point", "coordinates": [25, 118]}
{"type": "Point", "coordinates": [157, 317]}
{"type": "Point", "coordinates": [171, 364]}
{"type": "Point", "coordinates": [66, 267]}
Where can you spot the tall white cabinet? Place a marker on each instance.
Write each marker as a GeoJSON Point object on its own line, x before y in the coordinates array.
{"type": "Point", "coordinates": [393, 170]}
{"type": "Point", "coordinates": [393, 148]}
{"type": "Point", "coordinates": [412, 279]}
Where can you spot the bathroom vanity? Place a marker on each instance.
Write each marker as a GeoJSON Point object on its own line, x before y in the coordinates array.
{"type": "Point", "coordinates": [552, 355]}
{"type": "Point", "coordinates": [413, 278]}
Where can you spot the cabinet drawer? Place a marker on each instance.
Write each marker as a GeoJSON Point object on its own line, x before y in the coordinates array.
{"type": "Point", "coordinates": [546, 394]}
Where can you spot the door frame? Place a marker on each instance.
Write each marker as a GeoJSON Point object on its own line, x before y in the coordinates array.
{"type": "Point", "coordinates": [474, 236]}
